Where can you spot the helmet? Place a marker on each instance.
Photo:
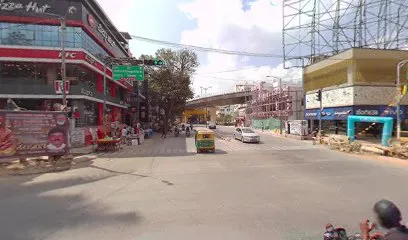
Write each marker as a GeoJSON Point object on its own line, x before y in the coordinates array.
{"type": "Point", "coordinates": [388, 214]}
{"type": "Point", "coordinates": [329, 227]}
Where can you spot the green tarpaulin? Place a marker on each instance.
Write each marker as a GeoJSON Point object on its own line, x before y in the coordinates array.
{"type": "Point", "coordinates": [268, 124]}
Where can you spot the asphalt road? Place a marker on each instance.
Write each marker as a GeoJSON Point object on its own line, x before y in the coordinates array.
{"type": "Point", "coordinates": [279, 189]}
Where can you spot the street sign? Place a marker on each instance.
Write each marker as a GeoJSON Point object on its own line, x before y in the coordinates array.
{"type": "Point", "coordinates": [123, 71]}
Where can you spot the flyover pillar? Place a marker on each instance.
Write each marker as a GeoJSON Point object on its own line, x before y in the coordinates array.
{"type": "Point", "coordinates": [213, 114]}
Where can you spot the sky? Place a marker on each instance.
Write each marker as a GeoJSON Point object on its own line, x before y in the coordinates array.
{"type": "Point", "coordinates": [237, 25]}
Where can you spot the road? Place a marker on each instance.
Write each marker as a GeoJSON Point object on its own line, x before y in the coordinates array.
{"type": "Point", "coordinates": [279, 189]}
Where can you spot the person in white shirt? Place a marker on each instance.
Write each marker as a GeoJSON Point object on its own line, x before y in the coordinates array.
{"type": "Point", "coordinates": [124, 134]}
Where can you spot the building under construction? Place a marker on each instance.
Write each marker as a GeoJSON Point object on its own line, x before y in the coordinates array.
{"type": "Point", "coordinates": [316, 29]}
{"type": "Point", "coordinates": [270, 105]}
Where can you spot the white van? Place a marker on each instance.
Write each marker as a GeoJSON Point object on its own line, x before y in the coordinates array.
{"type": "Point", "coordinates": [212, 125]}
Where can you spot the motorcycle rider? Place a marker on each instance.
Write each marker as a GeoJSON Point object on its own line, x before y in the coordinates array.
{"type": "Point", "coordinates": [176, 130]}
{"type": "Point", "coordinates": [330, 233]}
{"type": "Point", "coordinates": [389, 217]}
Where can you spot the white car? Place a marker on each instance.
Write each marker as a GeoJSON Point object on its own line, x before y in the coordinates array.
{"type": "Point", "coordinates": [212, 125]}
{"type": "Point", "coordinates": [246, 135]}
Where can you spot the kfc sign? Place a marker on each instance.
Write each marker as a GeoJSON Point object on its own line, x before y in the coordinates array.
{"type": "Point", "coordinates": [69, 55]}
{"type": "Point", "coordinates": [59, 87]}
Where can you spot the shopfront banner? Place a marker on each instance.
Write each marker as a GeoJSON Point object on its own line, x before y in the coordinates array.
{"type": "Point", "coordinates": [26, 133]}
{"type": "Point", "coordinates": [386, 111]}
{"type": "Point", "coordinates": [342, 113]}
{"type": "Point", "coordinates": [327, 114]}
{"type": "Point", "coordinates": [312, 114]}
{"type": "Point", "coordinates": [367, 110]}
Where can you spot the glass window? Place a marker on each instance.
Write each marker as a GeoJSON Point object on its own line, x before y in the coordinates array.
{"type": "Point", "coordinates": [43, 35]}
{"type": "Point", "coordinates": [54, 36]}
{"type": "Point", "coordinates": [46, 36]}
{"type": "Point", "coordinates": [21, 73]}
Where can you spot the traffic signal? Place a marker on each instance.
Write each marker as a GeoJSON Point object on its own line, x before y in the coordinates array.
{"type": "Point", "coordinates": [319, 95]}
{"type": "Point", "coordinates": [154, 62]}
{"type": "Point", "coordinates": [404, 90]}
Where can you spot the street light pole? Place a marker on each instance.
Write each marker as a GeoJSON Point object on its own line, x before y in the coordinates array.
{"type": "Point", "coordinates": [398, 83]}
{"type": "Point", "coordinates": [320, 113]}
{"type": "Point", "coordinates": [206, 110]}
{"type": "Point", "coordinates": [63, 25]}
{"type": "Point", "coordinates": [104, 96]}
{"type": "Point", "coordinates": [63, 63]}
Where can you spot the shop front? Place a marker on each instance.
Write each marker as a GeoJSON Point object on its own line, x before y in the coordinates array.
{"type": "Point", "coordinates": [334, 120]}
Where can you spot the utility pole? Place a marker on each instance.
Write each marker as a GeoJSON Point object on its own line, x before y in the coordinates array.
{"type": "Point", "coordinates": [63, 25]}
{"type": "Point", "coordinates": [63, 63]}
{"type": "Point", "coordinates": [280, 100]}
{"type": "Point", "coordinates": [206, 110]}
{"type": "Point", "coordinates": [137, 102]}
{"type": "Point", "coordinates": [319, 94]}
{"type": "Point", "coordinates": [398, 83]}
{"type": "Point", "coordinates": [104, 96]}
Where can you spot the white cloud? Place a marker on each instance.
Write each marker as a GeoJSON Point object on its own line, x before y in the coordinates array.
{"type": "Point", "coordinates": [119, 18]}
{"type": "Point", "coordinates": [224, 24]}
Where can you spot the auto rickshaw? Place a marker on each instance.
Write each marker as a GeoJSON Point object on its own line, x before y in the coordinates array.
{"type": "Point", "coordinates": [204, 140]}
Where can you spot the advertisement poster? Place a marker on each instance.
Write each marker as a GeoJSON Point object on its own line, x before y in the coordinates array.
{"type": "Point", "coordinates": [33, 134]}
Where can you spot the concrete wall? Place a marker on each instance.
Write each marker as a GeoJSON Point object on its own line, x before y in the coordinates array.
{"type": "Point", "coordinates": [353, 95]}
{"type": "Point", "coordinates": [296, 94]}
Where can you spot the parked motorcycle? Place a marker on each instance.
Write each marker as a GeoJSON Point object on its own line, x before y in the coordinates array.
{"type": "Point", "coordinates": [340, 233]}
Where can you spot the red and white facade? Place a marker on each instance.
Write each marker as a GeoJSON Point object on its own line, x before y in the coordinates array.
{"type": "Point", "coordinates": [30, 59]}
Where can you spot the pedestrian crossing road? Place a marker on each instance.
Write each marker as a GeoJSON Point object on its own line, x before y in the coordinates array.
{"type": "Point", "coordinates": [181, 146]}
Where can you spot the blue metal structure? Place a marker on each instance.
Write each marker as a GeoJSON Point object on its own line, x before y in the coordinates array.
{"type": "Point", "coordinates": [387, 129]}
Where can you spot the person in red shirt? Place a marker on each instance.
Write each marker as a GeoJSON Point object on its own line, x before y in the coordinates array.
{"type": "Point", "coordinates": [100, 134]}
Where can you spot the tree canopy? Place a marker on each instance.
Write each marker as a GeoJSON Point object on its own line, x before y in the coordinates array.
{"type": "Point", "coordinates": [170, 85]}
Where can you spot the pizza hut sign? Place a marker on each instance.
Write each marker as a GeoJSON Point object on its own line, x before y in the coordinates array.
{"type": "Point", "coordinates": [31, 6]}
{"type": "Point", "coordinates": [105, 35]}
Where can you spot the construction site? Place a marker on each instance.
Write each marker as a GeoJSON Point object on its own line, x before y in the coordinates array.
{"type": "Point", "coordinates": [349, 51]}
{"type": "Point", "coordinates": [271, 105]}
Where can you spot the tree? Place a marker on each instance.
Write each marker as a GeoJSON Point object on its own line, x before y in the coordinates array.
{"type": "Point", "coordinates": [170, 85]}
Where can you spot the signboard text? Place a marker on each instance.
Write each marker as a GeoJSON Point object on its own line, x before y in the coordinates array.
{"type": "Point", "coordinates": [105, 35]}
{"type": "Point", "coordinates": [30, 7]}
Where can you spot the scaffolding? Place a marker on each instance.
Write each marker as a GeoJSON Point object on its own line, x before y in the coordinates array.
{"type": "Point", "coordinates": [281, 103]}
{"type": "Point", "coordinates": [316, 29]}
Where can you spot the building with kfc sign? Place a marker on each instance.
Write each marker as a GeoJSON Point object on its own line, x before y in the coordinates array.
{"type": "Point", "coordinates": [30, 58]}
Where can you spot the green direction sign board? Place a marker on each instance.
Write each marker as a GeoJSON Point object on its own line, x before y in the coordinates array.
{"type": "Point", "coordinates": [123, 71]}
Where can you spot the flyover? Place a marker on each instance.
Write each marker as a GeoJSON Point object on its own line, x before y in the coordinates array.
{"type": "Point", "coordinates": [219, 99]}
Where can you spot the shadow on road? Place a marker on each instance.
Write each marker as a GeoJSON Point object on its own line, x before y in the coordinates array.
{"type": "Point", "coordinates": [32, 209]}
{"type": "Point", "coordinates": [157, 147]}
{"type": "Point", "coordinates": [131, 174]}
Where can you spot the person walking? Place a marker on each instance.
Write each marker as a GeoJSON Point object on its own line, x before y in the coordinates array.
{"type": "Point", "coordinates": [163, 136]}
{"type": "Point", "coordinates": [124, 135]}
